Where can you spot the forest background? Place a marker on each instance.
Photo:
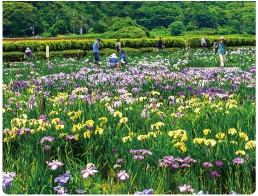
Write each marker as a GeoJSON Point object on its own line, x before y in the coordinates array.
{"type": "Point", "coordinates": [127, 19]}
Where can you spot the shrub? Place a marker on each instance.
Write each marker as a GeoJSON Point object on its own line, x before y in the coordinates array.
{"type": "Point", "coordinates": [177, 28]}
{"type": "Point", "coordinates": [126, 32]}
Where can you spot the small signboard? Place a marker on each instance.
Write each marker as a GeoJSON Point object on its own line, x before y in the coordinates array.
{"type": "Point", "coordinates": [47, 51]}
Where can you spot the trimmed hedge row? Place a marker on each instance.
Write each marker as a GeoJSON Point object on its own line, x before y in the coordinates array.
{"type": "Point", "coordinates": [75, 44]}
{"type": "Point", "coordinates": [19, 56]}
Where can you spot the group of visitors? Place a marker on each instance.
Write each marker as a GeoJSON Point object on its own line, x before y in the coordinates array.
{"type": "Point", "coordinates": [113, 59]}
{"type": "Point", "coordinates": [220, 48]}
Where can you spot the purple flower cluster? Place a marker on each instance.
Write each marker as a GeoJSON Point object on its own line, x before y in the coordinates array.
{"type": "Point", "coordinates": [48, 139]}
{"type": "Point", "coordinates": [18, 84]}
{"type": "Point", "coordinates": [43, 117]}
{"type": "Point", "coordinates": [63, 179]}
{"type": "Point", "coordinates": [176, 162]}
{"type": "Point", "coordinates": [7, 180]}
{"type": "Point", "coordinates": [139, 154]}
{"type": "Point", "coordinates": [22, 131]}
{"type": "Point", "coordinates": [218, 163]}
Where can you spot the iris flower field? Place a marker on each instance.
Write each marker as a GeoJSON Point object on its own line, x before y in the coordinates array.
{"type": "Point", "coordinates": [168, 122]}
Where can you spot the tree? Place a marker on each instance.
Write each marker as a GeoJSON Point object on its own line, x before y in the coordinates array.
{"type": "Point", "coordinates": [205, 18]}
{"type": "Point", "coordinates": [177, 28]}
{"type": "Point", "coordinates": [18, 18]}
{"type": "Point", "coordinates": [59, 27]}
{"type": "Point", "coordinates": [118, 23]}
{"type": "Point", "coordinates": [126, 32]}
{"type": "Point", "coordinates": [59, 17]}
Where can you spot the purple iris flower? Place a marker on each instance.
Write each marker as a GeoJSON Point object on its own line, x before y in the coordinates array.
{"type": "Point", "coordinates": [138, 157]}
{"type": "Point", "coordinates": [144, 192]}
{"type": "Point", "coordinates": [219, 163]}
{"type": "Point", "coordinates": [238, 161]}
{"type": "Point", "coordinates": [62, 179]}
{"type": "Point", "coordinates": [7, 180]}
{"type": "Point", "coordinates": [47, 138]}
{"type": "Point", "coordinates": [60, 190]}
{"type": "Point", "coordinates": [207, 164]}
{"type": "Point", "coordinates": [189, 160]}
{"type": "Point", "coordinates": [27, 131]}
{"type": "Point", "coordinates": [70, 137]}
{"type": "Point", "coordinates": [215, 174]}
{"type": "Point", "coordinates": [43, 117]}
{"type": "Point", "coordinates": [46, 147]}
{"type": "Point", "coordinates": [90, 170]}
{"type": "Point", "coordinates": [122, 175]}
{"type": "Point", "coordinates": [120, 160]}
{"type": "Point", "coordinates": [185, 165]}
{"type": "Point", "coordinates": [54, 164]}
{"type": "Point", "coordinates": [80, 191]}
{"type": "Point", "coordinates": [115, 151]}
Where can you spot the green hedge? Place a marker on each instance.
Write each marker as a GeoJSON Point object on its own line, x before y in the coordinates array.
{"type": "Point", "coordinates": [86, 44]}
{"type": "Point", "coordinates": [14, 50]}
{"type": "Point", "coordinates": [19, 56]}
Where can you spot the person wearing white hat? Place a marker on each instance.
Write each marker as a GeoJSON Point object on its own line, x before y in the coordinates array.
{"type": "Point", "coordinates": [222, 50]}
{"type": "Point", "coordinates": [113, 61]}
{"type": "Point", "coordinates": [28, 52]}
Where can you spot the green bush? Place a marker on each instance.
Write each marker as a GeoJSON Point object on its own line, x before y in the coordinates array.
{"type": "Point", "coordinates": [126, 32]}
{"type": "Point", "coordinates": [177, 28]}
{"type": "Point", "coordinates": [86, 44]}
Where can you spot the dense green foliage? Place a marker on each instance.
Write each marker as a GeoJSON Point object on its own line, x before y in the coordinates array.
{"type": "Point", "coordinates": [126, 18]}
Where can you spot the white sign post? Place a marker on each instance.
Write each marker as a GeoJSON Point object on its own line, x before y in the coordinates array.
{"type": "Point", "coordinates": [47, 53]}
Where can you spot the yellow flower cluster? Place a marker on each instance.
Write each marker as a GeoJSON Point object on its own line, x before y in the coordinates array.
{"type": "Point", "coordinates": [59, 100]}
{"type": "Point", "coordinates": [232, 136]}
{"type": "Point", "coordinates": [179, 138]}
{"type": "Point", "coordinates": [74, 115]}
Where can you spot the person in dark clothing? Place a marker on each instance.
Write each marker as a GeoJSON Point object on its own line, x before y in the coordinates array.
{"type": "Point", "coordinates": [160, 45]}
{"type": "Point", "coordinates": [27, 53]}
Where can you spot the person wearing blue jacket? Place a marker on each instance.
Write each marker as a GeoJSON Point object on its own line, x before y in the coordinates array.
{"type": "Point", "coordinates": [221, 46]}
{"type": "Point", "coordinates": [123, 57]}
{"type": "Point", "coordinates": [96, 46]}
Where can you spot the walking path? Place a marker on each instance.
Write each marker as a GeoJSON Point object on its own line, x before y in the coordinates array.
{"type": "Point", "coordinates": [215, 68]}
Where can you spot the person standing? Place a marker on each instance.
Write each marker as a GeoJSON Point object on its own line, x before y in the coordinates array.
{"type": "Point", "coordinates": [203, 42]}
{"type": "Point", "coordinates": [221, 46]}
{"type": "Point", "coordinates": [160, 44]}
{"type": "Point", "coordinates": [96, 46]}
{"type": "Point", "coordinates": [118, 45]}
